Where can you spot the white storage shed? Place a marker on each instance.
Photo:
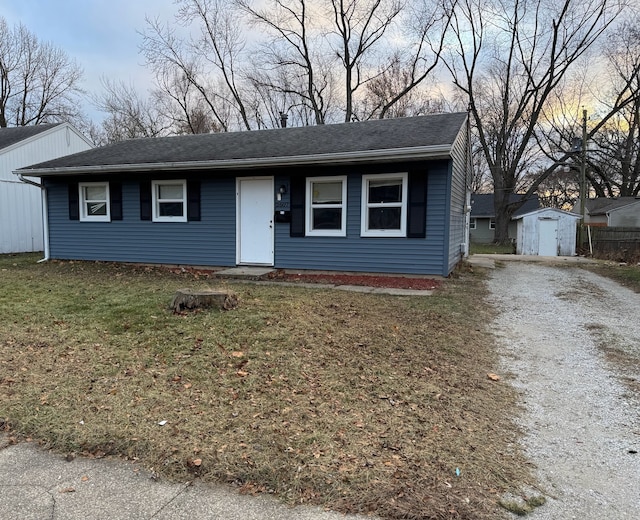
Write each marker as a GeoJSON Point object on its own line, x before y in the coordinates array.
{"type": "Point", "coordinates": [547, 232]}
{"type": "Point", "coordinates": [21, 204]}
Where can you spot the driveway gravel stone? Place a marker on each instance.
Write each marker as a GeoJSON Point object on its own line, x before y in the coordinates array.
{"type": "Point", "coordinates": [581, 422]}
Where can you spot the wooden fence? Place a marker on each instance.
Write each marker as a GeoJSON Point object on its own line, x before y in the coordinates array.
{"type": "Point", "coordinates": [616, 243]}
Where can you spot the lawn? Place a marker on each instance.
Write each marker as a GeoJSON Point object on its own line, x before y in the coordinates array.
{"type": "Point", "coordinates": [625, 274]}
{"type": "Point", "coordinates": [491, 249]}
{"type": "Point", "coordinates": [356, 402]}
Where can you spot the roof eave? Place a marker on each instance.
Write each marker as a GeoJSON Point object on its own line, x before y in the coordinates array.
{"type": "Point", "coordinates": [393, 154]}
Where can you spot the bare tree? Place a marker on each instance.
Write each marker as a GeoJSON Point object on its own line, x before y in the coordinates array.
{"type": "Point", "coordinates": [291, 46]}
{"type": "Point", "coordinates": [39, 83]}
{"type": "Point", "coordinates": [358, 26]}
{"type": "Point", "coordinates": [212, 54]}
{"type": "Point", "coordinates": [275, 94]}
{"type": "Point", "coordinates": [398, 88]}
{"type": "Point", "coordinates": [614, 162]}
{"type": "Point", "coordinates": [612, 85]}
{"type": "Point", "coordinates": [508, 59]}
{"type": "Point", "coordinates": [395, 92]}
{"type": "Point", "coordinates": [182, 104]}
{"type": "Point", "coordinates": [128, 114]}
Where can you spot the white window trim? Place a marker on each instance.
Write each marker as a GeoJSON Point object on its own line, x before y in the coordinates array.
{"type": "Point", "coordinates": [84, 216]}
{"type": "Point", "coordinates": [364, 213]}
{"type": "Point", "coordinates": [155, 201]}
{"type": "Point", "coordinates": [309, 231]}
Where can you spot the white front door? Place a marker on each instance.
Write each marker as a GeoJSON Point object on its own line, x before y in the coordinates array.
{"type": "Point", "coordinates": [255, 220]}
{"type": "Point", "coordinates": [548, 237]}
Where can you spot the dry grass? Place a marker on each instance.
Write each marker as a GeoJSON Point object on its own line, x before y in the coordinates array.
{"type": "Point", "coordinates": [359, 403]}
{"type": "Point", "coordinates": [625, 274]}
{"type": "Point", "coordinates": [621, 352]}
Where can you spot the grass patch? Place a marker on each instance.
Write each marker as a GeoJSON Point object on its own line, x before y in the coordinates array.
{"type": "Point", "coordinates": [491, 249]}
{"type": "Point", "coordinates": [356, 402]}
{"type": "Point", "coordinates": [627, 275]}
{"type": "Point", "coordinates": [619, 350]}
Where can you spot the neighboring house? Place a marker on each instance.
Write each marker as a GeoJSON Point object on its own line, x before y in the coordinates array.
{"type": "Point", "coordinates": [547, 232]}
{"type": "Point", "coordinates": [21, 204]}
{"type": "Point", "coordinates": [483, 216]}
{"type": "Point", "coordinates": [625, 216]}
{"type": "Point", "coordinates": [375, 196]}
{"type": "Point", "coordinates": [611, 212]}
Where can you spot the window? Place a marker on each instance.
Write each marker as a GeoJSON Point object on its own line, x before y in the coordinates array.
{"type": "Point", "coordinates": [326, 206]}
{"type": "Point", "coordinates": [384, 205]}
{"type": "Point", "coordinates": [472, 223]}
{"type": "Point", "coordinates": [94, 202]}
{"type": "Point", "coordinates": [169, 201]}
{"type": "Point", "coordinates": [492, 223]}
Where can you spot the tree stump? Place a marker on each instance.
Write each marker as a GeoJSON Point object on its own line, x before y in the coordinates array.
{"type": "Point", "coordinates": [190, 299]}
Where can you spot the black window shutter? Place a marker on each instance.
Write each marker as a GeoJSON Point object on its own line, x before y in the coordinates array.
{"type": "Point", "coordinates": [417, 208]}
{"type": "Point", "coordinates": [74, 201]}
{"type": "Point", "coordinates": [145, 200]}
{"type": "Point", "coordinates": [297, 196]}
{"type": "Point", "coordinates": [115, 194]}
{"type": "Point", "coordinates": [193, 200]}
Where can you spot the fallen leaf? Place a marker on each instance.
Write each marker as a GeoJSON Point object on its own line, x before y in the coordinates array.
{"type": "Point", "coordinates": [85, 478]}
{"type": "Point", "coordinates": [68, 490]}
{"type": "Point", "coordinates": [242, 373]}
{"type": "Point", "coordinates": [187, 386]}
{"type": "Point", "coordinates": [493, 377]}
{"type": "Point", "coordinates": [197, 462]}
{"type": "Point", "coordinates": [237, 354]}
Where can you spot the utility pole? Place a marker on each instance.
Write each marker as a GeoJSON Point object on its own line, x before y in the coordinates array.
{"type": "Point", "coordinates": [583, 178]}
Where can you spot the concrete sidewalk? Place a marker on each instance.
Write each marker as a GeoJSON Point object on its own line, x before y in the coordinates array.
{"type": "Point", "coordinates": [254, 274]}
{"type": "Point", "coordinates": [36, 484]}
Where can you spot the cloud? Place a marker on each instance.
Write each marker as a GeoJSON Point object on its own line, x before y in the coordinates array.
{"type": "Point", "coordinates": [101, 35]}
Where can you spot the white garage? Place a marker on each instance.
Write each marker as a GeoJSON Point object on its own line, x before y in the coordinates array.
{"type": "Point", "coordinates": [547, 232]}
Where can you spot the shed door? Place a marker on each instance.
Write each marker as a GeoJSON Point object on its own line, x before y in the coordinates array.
{"type": "Point", "coordinates": [255, 221]}
{"type": "Point", "coordinates": [548, 237]}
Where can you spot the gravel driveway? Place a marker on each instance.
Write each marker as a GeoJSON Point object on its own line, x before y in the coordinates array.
{"type": "Point", "coordinates": [581, 422]}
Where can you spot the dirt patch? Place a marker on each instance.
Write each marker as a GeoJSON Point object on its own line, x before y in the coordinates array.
{"type": "Point", "coordinates": [366, 280]}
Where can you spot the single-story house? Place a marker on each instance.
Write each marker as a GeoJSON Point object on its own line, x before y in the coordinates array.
{"type": "Point", "coordinates": [610, 212]}
{"type": "Point", "coordinates": [483, 216]}
{"type": "Point", "coordinates": [21, 204]}
{"type": "Point", "coordinates": [386, 196]}
{"type": "Point", "coordinates": [547, 232]}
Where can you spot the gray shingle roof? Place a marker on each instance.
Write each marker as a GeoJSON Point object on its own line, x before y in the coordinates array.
{"type": "Point", "coordinates": [600, 205]}
{"type": "Point", "coordinates": [482, 205]}
{"type": "Point", "coordinates": [301, 144]}
{"type": "Point", "coordinates": [9, 136]}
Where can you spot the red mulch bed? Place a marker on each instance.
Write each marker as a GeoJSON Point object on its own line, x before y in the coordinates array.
{"type": "Point", "coordinates": [392, 282]}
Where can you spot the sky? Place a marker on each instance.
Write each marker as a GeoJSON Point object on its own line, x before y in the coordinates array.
{"type": "Point", "coordinates": [99, 34]}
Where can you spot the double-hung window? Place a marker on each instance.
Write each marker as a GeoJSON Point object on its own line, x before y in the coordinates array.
{"type": "Point", "coordinates": [169, 201]}
{"type": "Point", "coordinates": [94, 202]}
{"type": "Point", "coordinates": [326, 206]}
{"type": "Point", "coordinates": [384, 205]}
{"type": "Point", "coordinates": [492, 223]}
{"type": "Point", "coordinates": [472, 223]}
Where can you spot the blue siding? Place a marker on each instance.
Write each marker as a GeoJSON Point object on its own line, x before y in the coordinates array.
{"type": "Point", "coordinates": [460, 171]}
{"type": "Point", "coordinates": [211, 241]}
{"type": "Point", "coordinates": [383, 255]}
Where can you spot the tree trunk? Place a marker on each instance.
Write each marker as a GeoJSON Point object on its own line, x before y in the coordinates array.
{"type": "Point", "coordinates": [502, 217]}
{"type": "Point", "coordinates": [190, 299]}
